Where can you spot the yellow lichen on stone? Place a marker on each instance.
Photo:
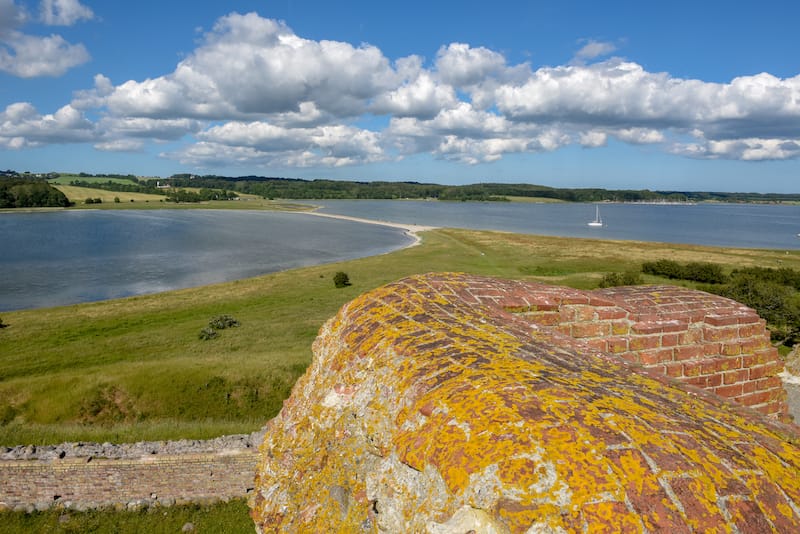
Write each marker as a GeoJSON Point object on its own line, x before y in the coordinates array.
{"type": "Point", "coordinates": [429, 405]}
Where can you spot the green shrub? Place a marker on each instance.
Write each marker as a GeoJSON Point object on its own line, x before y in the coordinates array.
{"type": "Point", "coordinates": [707, 273]}
{"type": "Point", "coordinates": [207, 333]}
{"type": "Point", "coordinates": [340, 279]}
{"type": "Point", "coordinates": [221, 322]}
{"type": "Point", "coordinates": [667, 268]}
{"type": "Point", "coordinates": [628, 278]}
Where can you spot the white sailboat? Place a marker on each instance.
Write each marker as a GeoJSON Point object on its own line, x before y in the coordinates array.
{"type": "Point", "coordinates": [598, 221]}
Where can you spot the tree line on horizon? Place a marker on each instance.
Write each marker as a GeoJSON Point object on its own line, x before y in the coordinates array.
{"type": "Point", "coordinates": [25, 192]}
{"type": "Point", "coordinates": [296, 188]}
{"type": "Point", "coordinates": [324, 189]}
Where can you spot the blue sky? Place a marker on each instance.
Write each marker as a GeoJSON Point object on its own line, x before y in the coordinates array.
{"type": "Point", "coordinates": [628, 94]}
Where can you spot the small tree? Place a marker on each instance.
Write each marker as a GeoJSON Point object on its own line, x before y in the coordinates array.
{"type": "Point", "coordinates": [340, 279]}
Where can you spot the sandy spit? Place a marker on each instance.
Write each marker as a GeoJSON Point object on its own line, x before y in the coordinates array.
{"type": "Point", "coordinates": [410, 229]}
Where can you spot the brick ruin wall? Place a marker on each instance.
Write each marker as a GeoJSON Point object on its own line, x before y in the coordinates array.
{"type": "Point", "coordinates": [701, 339]}
{"type": "Point", "coordinates": [441, 403]}
{"type": "Point", "coordinates": [697, 338]}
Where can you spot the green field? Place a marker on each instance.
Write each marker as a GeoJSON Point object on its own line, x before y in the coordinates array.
{"type": "Point", "coordinates": [66, 179]}
{"type": "Point", "coordinates": [134, 369]}
{"type": "Point", "coordinates": [140, 201]}
{"type": "Point", "coordinates": [223, 518]}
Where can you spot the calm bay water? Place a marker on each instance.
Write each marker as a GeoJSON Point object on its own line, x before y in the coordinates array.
{"type": "Point", "coordinates": [728, 225]}
{"type": "Point", "coordinates": [66, 257]}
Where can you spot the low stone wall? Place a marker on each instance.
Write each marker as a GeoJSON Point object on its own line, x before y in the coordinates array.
{"type": "Point", "coordinates": [82, 476]}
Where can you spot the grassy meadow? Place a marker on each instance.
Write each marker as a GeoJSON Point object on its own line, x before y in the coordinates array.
{"type": "Point", "coordinates": [78, 195]}
{"type": "Point", "coordinates": [135, 369]}
{"type": "Point", "coordinates": [223, 518]}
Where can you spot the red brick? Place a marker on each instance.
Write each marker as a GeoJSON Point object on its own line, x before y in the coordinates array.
{"type": "Point", "coordinates": [769, 383]}
{"type": "Point", "coordinates": [752, 330]}
{"type": "Point", "coordinates": [691, 492]}
{"type": "Point", "coordinates": [567, 314]}
{"type": "Point", "coordinates": [644, 342]}
{"type": "Point", "coordinates": [711, 333]}
{"type": "Point", "coordinates": [598, 344]}
{"type": "Point", "coordinates": [610, 517]}
{"type": "Point", "coordinates": [620, 328]}
{"type": "Point", "coordinates": [688, 353]}
{"type": "Point", "coordinates": [711, 366]}
{"type": "Point", "coordinates": [731, 349]}
{"type": "Point", "coordinates": [585, 313]}
{"type": "Point", "coordinates": [574, 298]}
{"type": "Point", "coordinates": [611, 312]}
{"type": "Point", "coordinates": [673, 369]}
{"type": "Point", "coordinates": [564, 329]}
{"type": "Point", "coordinates": [730, 363]}
{"type": "Point", "coordinates": [714, 381]}
{"type": "Point", "coordinates": [721, 320]}
{"type": "Point", "coordinates": [748, 387]}
{"type": "Point", "coordinates": [752, 399]}
{"type": "Point", "coordinates": [733, 377]}
{"type": "Point", "coordinates": [731, 391]}
{"type": "Point", "coordinates": [691, 337]}
{"type": "Point", "coordinates": [617, 344]}
{"type": "Point", "coordinates": [550, 318]}
{"type": "Point", "coordinates": [544, 306]}
{"type": "Point", "coordinates": [652, 357]}
{"type": "Point", "coordinates": [646, 327]}
{"type": "Point", "coordinates": [582, 330]}
{"type": "Point", "coordinates": [699, 381]}
{"type": "Point", "coordinates": [754, 344]}
{"type": "Point", "coordinates": [646, 495]}
{"type": "Point", "coordinates": [761, 371]}
{"type": "Point", "coordinates": [760, 357]}
{"type": "Point", "coordinates": [771, 408]}
{"type": "Point", "coordinates": [773, 503]}
{"type": "Point", "coordinates": [669, 340]}
{"type": "Point", "coordinates": [692, 368]}
{"type": "Point", "coordinates": [630, 356]}
{"type": "Point", "coordinates": [712, 349]}
{"type": "Point", "coordinates": [747, 516]}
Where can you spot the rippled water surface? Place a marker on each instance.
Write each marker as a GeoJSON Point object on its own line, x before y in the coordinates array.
{"type": "Point", "coordinates": [66, 257]}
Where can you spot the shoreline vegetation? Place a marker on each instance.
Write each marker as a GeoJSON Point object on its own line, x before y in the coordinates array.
{"type": "Point", "coordinates": [26, 190]}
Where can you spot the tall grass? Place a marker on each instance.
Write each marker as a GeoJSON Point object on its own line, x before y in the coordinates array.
{"type": "Point", "coordinates": [223, 518]}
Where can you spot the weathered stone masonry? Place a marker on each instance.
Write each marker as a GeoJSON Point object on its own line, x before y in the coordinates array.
{"type": "Point", "coordinates": [452, 403]}
{"type": "Point", "coordinates": [92, 475]}
{"type": "Point", "coordinates": [165, 480]}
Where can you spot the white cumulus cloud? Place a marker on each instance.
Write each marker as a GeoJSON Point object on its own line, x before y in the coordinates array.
{"type": "Point", "coordinates": [21, 125]}
{"type": "Point", "coordinates": [28, 56]}
{"type": "Point", "coordinates": [64, 12]}
{"type": "Point", "coordinates": [249, 66]}
{"type": "Point", "coordinates": [254, 93]}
